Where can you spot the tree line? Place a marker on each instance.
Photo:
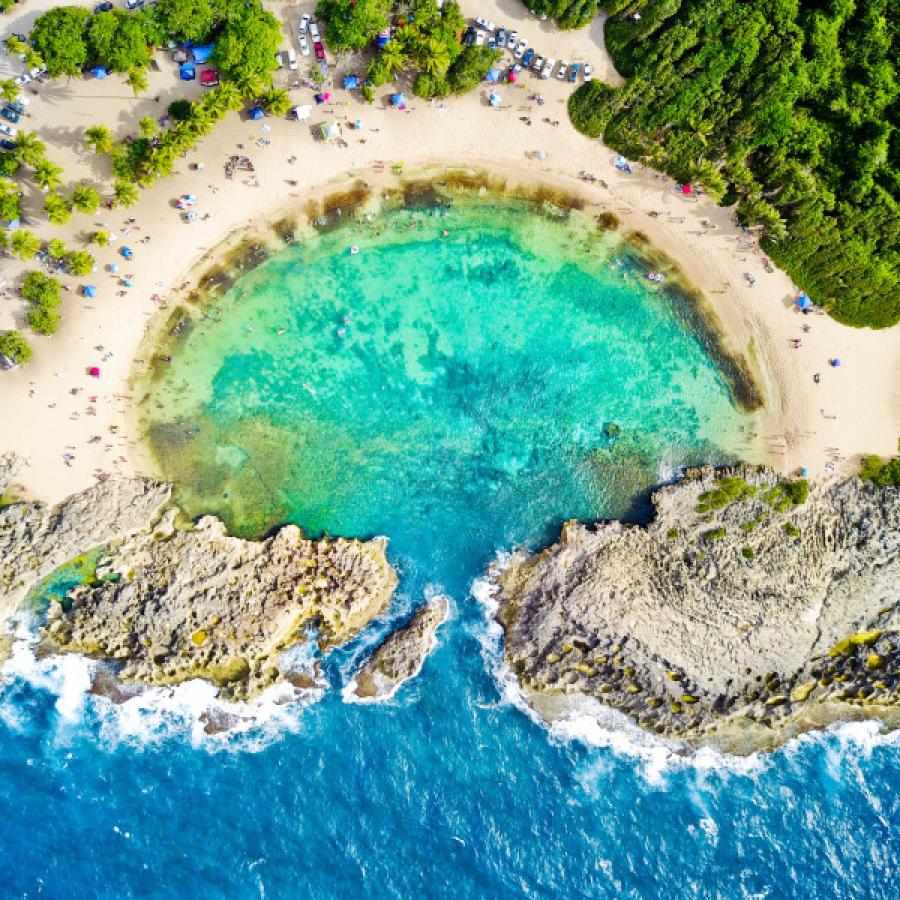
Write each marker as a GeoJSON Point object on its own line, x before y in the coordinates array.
{"type": "Point", "coordinates": [786, 108]}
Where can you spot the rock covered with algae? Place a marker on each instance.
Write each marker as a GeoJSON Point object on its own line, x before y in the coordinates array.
{"type": "Point", "coordinates": [173, 605]}
{"type": "Point", "coordinates": [749, 609]}
{"type": "Point", "coordinates": [401, 655]}
{"type": "Point", "coordinates": [35, 539]}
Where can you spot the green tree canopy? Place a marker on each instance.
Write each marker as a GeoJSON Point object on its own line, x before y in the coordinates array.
{"type": "Point", "coordinates": [246, 46]}
{"type": "Point", "coordinates": [186, 20]}
{"type": "Point", "coordinates": [14, 346]}
{"type": "Point", "coordinates": [351, 24]}
{"type": "Point", "coordinates": [41, 289]}
{"type": "Point", "coordinates": [59, 36]}
{"type": "Point", "coordinates": [118, 41]}
{"type": "Point", "coordinates": [469, 68]}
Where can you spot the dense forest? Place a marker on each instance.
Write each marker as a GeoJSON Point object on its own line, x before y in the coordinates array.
{"type": "Point", "coordinates": [786, 107]}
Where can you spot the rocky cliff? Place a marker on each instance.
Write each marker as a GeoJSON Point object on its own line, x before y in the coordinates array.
{"type": "Point", "coordinates": [749, 609]}
{"type": "Point", "coordinates": [402, 653]}
{"type": "Point", "coordinates": [36, 539]}
{"type": "Point", "coordinates": [172, 605]}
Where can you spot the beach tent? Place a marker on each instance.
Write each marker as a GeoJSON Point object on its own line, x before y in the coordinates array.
{"type": "Point", "coordinates": [358, 124]}
{"type": "Point", "coordinates": [351, 82]}
{"type": "Point", "coordinates": [187, 72]}
{"type": "Point", "coordinates": [329, 131]}
{"type": "Point", "coordinates": [323, 98]}
{"type": "Point", "coordinates": [113, 267]}
{"type": "Point", "coordinates": [398, 101]}
{"type": "Point", "coordinates": [13, 225]}
{"type": "Point", "coordinates": [180, 56]}
{"type": "Point", "coordinates": [94, 372]}
{"type": "Point", "coordinates": [256, 112]}
{"type": "Point", "coordinates": [90, 291]}
{"type": "Point", "coordinates": [835, 362]}
{"type": "Point", "coordinates": [513, 76]}
{"type": "Point", "coordinates": [684, 188]}
{"type": "Point", "coordinates": [127, 252]}
{"type": "Point", "coordinates": [494, 99]}
{"type": "Point", "coordinates": [209, 78]}
{"type": "Point", "coordinates": [300, 113]}
{"type": "Point", "coordinates": [804, 302]}
{"type": "Point", "coordinates": [202, 54]}
{"type": "Point", "coordinates": [99, 72]}
{"type": "Point", "coordinates": [493, 76]}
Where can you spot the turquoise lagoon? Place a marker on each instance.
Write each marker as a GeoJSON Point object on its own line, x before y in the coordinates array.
{"type": "Point", "coordinates": [463, 394]}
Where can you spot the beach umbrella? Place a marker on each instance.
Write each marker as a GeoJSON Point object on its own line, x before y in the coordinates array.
{"type": "Point", "coordinates": [89, 290]}
{"type": "Point", "coordinates": [804, 302]}
{"type": "Point", "coordinates": [351, 82]}
{"type": "Point", "coordinates": [357, 124]}
{"type": "Point", "coordinates": [94, 372]}
{"type": "Point", "coordinates": [265, 128]}
{"type": "Point", "coordinates": [513, 76]}
{"type": "Point", "coordinates": [127, 282]}
{"type": "Point", "coordinates": [113, 267]}
{"type": "Point", "coordinates": [302, 112]}
{"type": "Point", "coordinates": [685, 189]}
{"type": "Point", "coordinates": [398, 100]}
{"type": "Point", "coordinates": [835, 362]}
{"type": "Point", "coordinates": [126, 252]}
{"type": "Point", "coordinates": [494, 99]}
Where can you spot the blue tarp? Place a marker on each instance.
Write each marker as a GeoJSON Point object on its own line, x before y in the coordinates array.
{"type": "Point", "coordinates": [256, 112]}
{"type": "Point", "coordinates": [99, 72]}
{"type": "Point", "coordinates": [493, 75]}
{"type": "Point", "coordinates": [90, 290]}
{"type": "Point", "coordinates": [187, 72]}
{"type": "Point", "coordinates": [202, 54]}
{"type": "Point", "coordinates": [351, 82]}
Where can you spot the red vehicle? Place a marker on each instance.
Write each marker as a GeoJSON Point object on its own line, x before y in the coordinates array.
{"type": "Point", "coordinates": [209, 78]}
{"type": "Point", "coordinates": [320, 50]}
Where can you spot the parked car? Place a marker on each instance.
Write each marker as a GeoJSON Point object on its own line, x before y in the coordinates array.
{"type": "Point", "coordinates": [19, 80]}
{"type": "Point", "coordinates": [103, 7]}
{"type": "Point", "coordinates": [520, 49]}
{"type": "Point", "coordinates": [547, 71]}
{"type": "Point", "coordinates": [279, 60]}
{"type": "Point", "coordinates": [512, 40]}
{"type": "Point", "coordinates": [320, 50]}
{"type": "Point", "coordinates": [292, 59]}
{"type": "Point", "coordinates": [134, 4]}
{"type": "Point", "coordinates": [7, 144]}
{"type": "Point", "coordinates": [485, 24]}
{"type": "Point", "coordinates": [313, 31]}
{"type": "Point", "coordinates": [19, 105]}
{"type": "Point", "coordinates": [469, 37]}
{"type": "Point", "coordinates": [538, 64]}
{"type": "Point", "coordinates": [304, 23]}
{"type": "Point", "coordinates": [561, 74]}
{"type": "Point", "coordinates": [479, 38]}
{"type": "Point", "coordinates": [304, 45]}
{"type": "Point", "coordinates": [9, 114]}
{"type": "Point", "coordinates": [8, 130]}
{"type": "Point", "coordinates": [528, 57]}
{"type": "Point", "coordinates": [501, 37]}
{"type": "Point", "coordinates": [588, 72]}
{"type": "Point", "coordinates": [492, 42]}
{"type": "Point", "coordinates": [573, 72]}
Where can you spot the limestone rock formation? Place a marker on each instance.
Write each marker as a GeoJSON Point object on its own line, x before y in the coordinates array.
{"type": "Point", "coordinates": [402, 653]}
{"type": "Point", "coordinates": [173, 605]}
{"type": "Point", "coordinates": [36, 539]}
{"type": "Point", "coordinates": [744, 612]}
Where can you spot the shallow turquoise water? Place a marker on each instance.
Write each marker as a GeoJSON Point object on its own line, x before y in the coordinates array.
{"type": "Point", "coordinates": [465, 409]}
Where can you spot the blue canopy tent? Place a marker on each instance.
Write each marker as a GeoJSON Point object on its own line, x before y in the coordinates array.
{"type": "Point", "coordinates": [804, 302]}
{"type": "Point", "coordinates": [126, 252]}
{"type": "Point", "coordinates": [256, 112]}
{"type": "Point", "coordinates": [493, 75]}
{"type": "Point", "coordinates": [494, 99]}
{"type": "Point", "coordinates": [113, 267]}
{"type": "Point", "coordinates": [187, 72]}
{"type": "Point", "coordinates": [398, 100]}
{"type": "Point", "coordinates": [99, 72]}
{"type": "Point", "coordinates": [89, 291]}
{"type": "Point", "coordinates": [351, 82]}
{"type": "Point", "coordinates": [203, 54]}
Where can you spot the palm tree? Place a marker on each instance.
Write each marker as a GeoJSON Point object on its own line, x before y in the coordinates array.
{"type": "Point", "coordinates": [29, 147]}
{"type": "Point", "coordinates": [58, 211]}
{"type": "Point", "coordinates": [47, 175]}
{"type": "Point", "coordinates": [137, 81]}
{"type": "Point", "coordinates": [149, 127]}
{"type": "Point", "coordinates": [85, 199]}
{"type": "Point", "coordinates": [9, 90]}
{"type": "Point", "coordinates": [81, 262]}
{"type": "Point", "coordinates": [276, 101]}
{"type": "Point", "coordinates": [25, 244]}
{"type": "Point", "coordinates": [56, 249]}
{"type": "Point", "coordinates": [100, 238]}
{"type": "Point", "coordinates": [126, 192]}
{"type": "Point", "coordinates": [392, 57]}
{"type": "Point", "coordinates": [99, 138]}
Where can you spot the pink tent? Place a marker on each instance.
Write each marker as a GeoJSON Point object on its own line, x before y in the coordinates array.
{"type": "Point", "coordinates": [685, 189]}
{"type": "Point", "coordinates": [94, 372]}
{"type": "Point", "coordinates": [513, 77]}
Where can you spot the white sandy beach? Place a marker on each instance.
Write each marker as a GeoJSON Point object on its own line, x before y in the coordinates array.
{"type": "Point", "coordinates": [854, 409]}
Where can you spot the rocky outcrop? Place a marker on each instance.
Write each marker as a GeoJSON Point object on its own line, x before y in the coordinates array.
{"type": "Point", "coordinates": [402, 653]}
{"type": "Point", "coordinates": [36, 539]}
{"type": "Point", "coordinates": [745, 612]}
{"type": "Point", "coordinates": [173, 605]}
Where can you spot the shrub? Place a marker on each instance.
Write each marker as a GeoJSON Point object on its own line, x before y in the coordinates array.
{"type": "Point", "coordinates": [14, 345]}
{"type": "Point", "coordinates": [791, 529]}
{"type": "Point", "coordinates": [879, 472]}
{"type": "Point", "coordinates": [589, 108]}
{"type": "Point", "coordinates": [470, 67]}
{"type": "Point", "coordinates": [747, 552]}
{"type": "Point", "coordinates": [9, 164]}
{"type": "Point", "coordinates": [41, 289]}
{"type": "Point", "coordinates": [714, 534]}
{"type": "Point", "coordinates": [43, 320]}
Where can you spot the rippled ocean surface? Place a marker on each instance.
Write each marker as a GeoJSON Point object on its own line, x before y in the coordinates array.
{"type": "Point", "coordinates": [461, 393]}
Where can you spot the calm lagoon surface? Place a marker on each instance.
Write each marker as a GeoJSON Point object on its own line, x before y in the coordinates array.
{"type": "Point", "coordinates": [463, 394]}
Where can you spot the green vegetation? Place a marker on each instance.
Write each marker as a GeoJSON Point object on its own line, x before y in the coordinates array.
{"type": "Point", "coordinates": [791, 530]}
{"type": "Point", "coordinates": [14, 346]}
{"type": "Point", "coordinates": [99, 138]}
{"type": "Point", "coordinates": [351, 25]}
{"type": "Point", "coordinates": [276, 101]}
{"type": "Point", "coordinates": [59, 36]}
{"type": "Point", "coordinates": [57, 209]}
{"type": "Point", "coordinates": [880, 472]}
{"type": "Point", "coordinates": [180, 110]}
{"type": "Point", "coordinates": [727, 490]}
{"type": "Point", "coordinates": [783, 107]}
{"type": "Point", "coordinates": [786, 494]}
{"type": "Point", "coordinates": [10, 200]}
{"type": "Point", "coordinates": [469, 68]}
{"type": "Point", "coordinates": [24, 244]}
{"type": "Point", "coordinates": [672, 534]}
{"type": "Point", "coordinates": [9, 164]}
{"type": "Point", "coordinates": [714, 534]}
{"type": "Point", "coordinates": [43, 293]}
{"type": "Point", "coordinates": [747, 553]}
{"type": "Point", "coordinates": [85, 199]}
{"type": "Point", "coordinates": [849, 644]}
{"type": "Point", "coordinates": [573, 13]}
{"type": "Point", "coordinates": [80, 262]}
{"type": "Point", "coordinates": [47, 175]}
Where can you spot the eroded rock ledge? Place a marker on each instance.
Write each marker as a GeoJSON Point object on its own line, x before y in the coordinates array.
{"type": "Point", "coordinates": [745, 613]}
{"type": "Point", "coordinates": [401, 655]}
{"type": "Point", "coordinates": [173, 605]}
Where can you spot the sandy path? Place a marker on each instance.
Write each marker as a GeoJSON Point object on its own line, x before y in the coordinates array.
{"type": "Point", "coordinates": [43, 419]}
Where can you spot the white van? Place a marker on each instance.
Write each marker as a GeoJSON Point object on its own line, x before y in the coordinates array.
{"type": "Point", "coordinates": [548, 68]}
{"type": "Point", "coordinates": [292, 59]}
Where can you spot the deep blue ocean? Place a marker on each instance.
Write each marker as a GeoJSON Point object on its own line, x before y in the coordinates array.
{"type": "Point", "coordinates": [462, 393]}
